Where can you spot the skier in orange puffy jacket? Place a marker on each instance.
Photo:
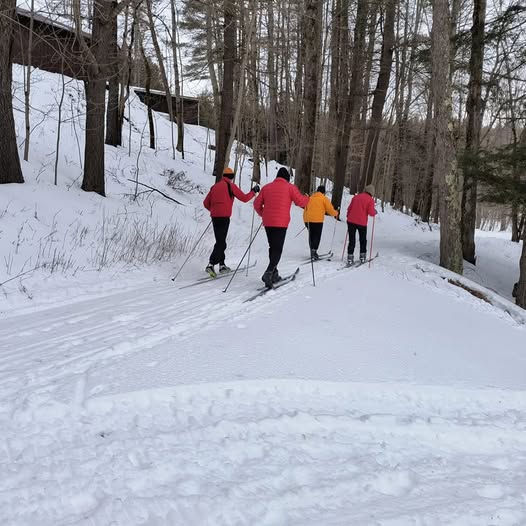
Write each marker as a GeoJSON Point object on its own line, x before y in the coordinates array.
{"type": "Point", "coordinates": [273, 205]}
{"type": "Point", "coordinates": [313, 216]}
{"type": "Point", "coordinates": [219, 202]}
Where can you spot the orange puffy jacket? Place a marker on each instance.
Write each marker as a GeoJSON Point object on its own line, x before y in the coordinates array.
{"type": "Point", "coordinates": [318, 206]}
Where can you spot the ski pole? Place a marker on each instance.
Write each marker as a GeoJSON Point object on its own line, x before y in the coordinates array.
{"type": "Point", "coordinates": [192, 251]}
{"type": "Point", "coordinates": [246, 251]}
{"type": "Point", "coordinates": [333, 234]}
{"type": "Point", "coordinates": [345, 242]}
{"type": "Point", "coordinates": [371, 247]}
{"type": "Point", "coordinates": [251, 230]}
{"type": "Point", "coordinates": [300, 232]}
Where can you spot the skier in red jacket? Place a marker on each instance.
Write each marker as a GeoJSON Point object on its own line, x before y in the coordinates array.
{"type": "Point", "coordinates": [360, 208]}
{"type": "Point", "coordinates": [273, 205]}
{"type": "Point", "coordinates": [219, 202]}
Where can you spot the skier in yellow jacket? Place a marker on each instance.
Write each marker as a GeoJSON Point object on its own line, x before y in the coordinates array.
{"type": "Point", "coordinates": [313, 217]}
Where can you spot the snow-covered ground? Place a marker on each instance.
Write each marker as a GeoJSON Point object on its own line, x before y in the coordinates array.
{"type": "Point", "coordinates": [381, 396]}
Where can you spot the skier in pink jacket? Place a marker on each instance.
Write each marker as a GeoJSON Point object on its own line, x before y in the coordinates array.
{"type": "Point", "coordinates": [360, 208]}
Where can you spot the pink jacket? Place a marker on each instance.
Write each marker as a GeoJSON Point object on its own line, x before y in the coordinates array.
{"type": "Point", "coordinates": [220, 198]}
{"type": "Point", "coordinates": [274, 201]}
{"type": "Point", "coordinates": [360, 207]}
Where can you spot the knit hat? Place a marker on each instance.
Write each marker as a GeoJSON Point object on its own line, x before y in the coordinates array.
{"type": "Point", "coordinates": [370, 189]}
{"type": "Point", "coordinates": [228, 172]}
{"type": "Point", "coordinates": [283, 173]}
{"type": "Point", "coordinates": [321, 189]}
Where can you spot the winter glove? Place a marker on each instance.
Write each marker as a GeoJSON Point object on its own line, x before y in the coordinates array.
{"type": "Point", "coordinates": [256, 189]}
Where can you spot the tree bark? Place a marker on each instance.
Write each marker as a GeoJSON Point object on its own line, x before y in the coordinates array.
{"type": "Point", "coordinates": [147, 99]}
{"type": "Point", "coordinates": [113, 132]}
{"type": "Point", "coordinates": [27, 83]}
{"type": "Point", "coordinates": [474, 125]}
{"type": "Point", "coordinates": [352, 98]}
{"type": "Point", "coordinates": [177, 85]}
{"type": "Point", "coordinates": [380, 93]}
{"type": "Point", "coordinates": [424, 187]}
{"type": "Point", "coordinates": [445, 160]}
{"type": "Point", "coordinates": [11, 171]}
{"type": "Point", "coordinates": [272, 86]}
{"type": "Point", "coordinates": [162, 69]}
{"type": "Point", "coordinates": [101, 41]}
{"type": "Point", "coordinates": [312, 42]}
{"type": "Point", "coordinates": [227, 92]}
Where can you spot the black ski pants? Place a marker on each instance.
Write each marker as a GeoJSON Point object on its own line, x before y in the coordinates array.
{"type": "Point", "coordinates": [220, 225]}
{"type": "Point", "coordinates": [276, 240]}
{"type": "Point", "coordinates": [362, 233]}
{"type": "Point", "coordinates": [315, 230]}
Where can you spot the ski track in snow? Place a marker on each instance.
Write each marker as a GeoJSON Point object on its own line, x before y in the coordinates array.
{"type": "Point", "coordinates": [265, 452]}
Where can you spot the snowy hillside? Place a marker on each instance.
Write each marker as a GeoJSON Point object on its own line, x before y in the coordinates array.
{"type": "Point", "coordinates": [384, 395]}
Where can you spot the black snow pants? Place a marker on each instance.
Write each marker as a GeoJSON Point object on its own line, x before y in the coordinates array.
{"type": "Point", "coordinates": [362, 232]}
{"type": "Point", "coordinates": [220, 225]}
{"type": "Point", "coordinates": [315, 230]}
{"type": "Point", "coordinates": [276, 240]}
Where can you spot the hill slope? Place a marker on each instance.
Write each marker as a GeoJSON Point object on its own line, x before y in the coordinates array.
{"type": "Point", "coordinates": [384, 395]}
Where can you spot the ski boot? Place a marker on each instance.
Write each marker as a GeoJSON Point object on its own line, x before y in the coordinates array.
{"type": "Point", "coordinates": [350, 260]}
{"type": "Point", "coordinates": [223, 269]}
{"type": "Point", "coordinates": [210, 270]}
{"type": "Point", "coordinates": [314, 255]}
{"type": "Point", "coordinates": [267, 278]}
{"type": "Point", "coordinates": [363, 257]}
{"type": "Point", "coordinates": [275, 276]}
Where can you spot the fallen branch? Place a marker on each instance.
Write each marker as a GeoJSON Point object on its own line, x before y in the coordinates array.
{"type": "Point", "coordinates": [17, 276]}
{"type": "Point", "coordinates": [156, 190]}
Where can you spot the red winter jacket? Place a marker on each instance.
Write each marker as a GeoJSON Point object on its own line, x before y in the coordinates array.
{"type": "Point", "coordinates": [274, 201]}
{"type": "Point", "coordinates": [360, 207]}
{"type": "Point", "coordinates": [220, 198]}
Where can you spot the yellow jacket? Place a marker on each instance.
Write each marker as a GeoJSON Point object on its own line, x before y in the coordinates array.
{"type": "Point", "coordinates": [318, 206]}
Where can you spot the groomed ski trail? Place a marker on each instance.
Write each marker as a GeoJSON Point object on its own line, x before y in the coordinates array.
{"type": "Point", "coordinates": [271, 453]}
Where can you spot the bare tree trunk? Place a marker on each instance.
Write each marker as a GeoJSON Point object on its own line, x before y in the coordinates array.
{"type": "Point", "coordinates": [27, 83]}
{"type": "Point", "coordinates": [125, 61]}
{"type": "Point", "coordinates": [254, 104]}
{"type": "Point", "coordinates": [312, 42]}
{"type": "Point", "coordinates": [210, 15]}
{"type": "Point", "coordinates": [113, 135]}
{"type": "Point", "coordinates": [352, 97]}
{"type": "Point", "coordinates": [162, 69]}
{"type": "Point", "coordinates": [272, 85]}
{"type": "Point", "coordinates": [358, 137]}
{"type": "Point", "coordinates": [59, 125]}
{"type": "Point", "coordinates": [241, 85]}
{"type": "Point", "coordinates": [101, 41]}
{"type": "Point", "coordinates": [227, 94]}
{"type": "Point", "coordinates": [445, 161]}
{"type": "Point", "coordinates": [177, 85]}
{"type": "Point", "coordinates": [11, 171]}
{"type": "Point", "coordinates": [147, 98]}
{"type": "Point", "coordinates": [474, 125]}
{"type": "Point", "coordinates": [380, 93]}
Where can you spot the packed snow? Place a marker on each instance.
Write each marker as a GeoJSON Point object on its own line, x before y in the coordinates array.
{"type": "Point", "coordinates": [384, 395]}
